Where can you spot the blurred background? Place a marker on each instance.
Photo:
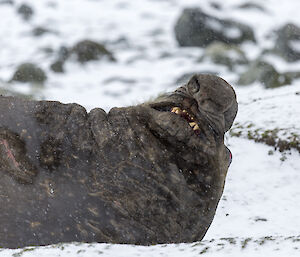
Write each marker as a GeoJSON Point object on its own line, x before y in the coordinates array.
{"type": "Point", "coordinates": [106, 53]}
{"type": "Point", "coordinates": [103, 53]}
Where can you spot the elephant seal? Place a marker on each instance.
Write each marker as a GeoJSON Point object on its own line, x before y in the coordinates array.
{"type": "Point", "coordinates": [146, 174]}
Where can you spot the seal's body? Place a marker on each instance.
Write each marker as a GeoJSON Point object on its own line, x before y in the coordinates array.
{"type": "Point", "coordinates": [146, 174]}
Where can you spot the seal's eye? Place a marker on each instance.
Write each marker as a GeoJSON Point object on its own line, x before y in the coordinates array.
{"type": "Point", "coordinates": [193, 85]}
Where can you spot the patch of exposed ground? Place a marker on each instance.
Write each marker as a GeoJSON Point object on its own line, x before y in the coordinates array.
{"type": "Point", "coordinates": [280, 139]}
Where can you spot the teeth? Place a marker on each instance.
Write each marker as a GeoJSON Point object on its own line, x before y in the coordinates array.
{"type": "Point", "coordinates": [196, 127]}
{"type": "Point", "coordinates": [192, 124]}
{"type": "Point", "coordinates": [176, 110]}
{"type": "Point", "coordinates": [187, 116]}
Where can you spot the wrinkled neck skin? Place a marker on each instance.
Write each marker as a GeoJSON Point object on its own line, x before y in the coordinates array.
{"type": "Point", "coordinates": [202, 157]}
{"type": "Point", "coordinates": [195, 156]}
{"type": "Point", "coordinates": [212, 102]}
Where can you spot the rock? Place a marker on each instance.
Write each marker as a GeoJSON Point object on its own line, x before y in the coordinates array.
{"type": "Point", "coordinates": [83, 52]}
{"type": "Point", "coordinates": [120, 80]}
{"type": "Point", "coordinates": [62, 55]}
{"type": "Point", "coordinates": [136, 175]}
{"type": "Point", "coordinates": [47, 50]}
{"type": "Point", "coordinates": [216, 5]}
{"type": "Point", "coordinates": [292, 75]}
{"type": "Point", "coordinates": [184, 78]}
{"type": "Point", "coordinates": [57, 66]}
{"type": "Point", "coordinates": [228, 55]}
{"type": "Point", "coordinates": [88, 50]}
{"type": "Point", "coordinates": [250, 5]}
{"type": "Point", "coordinates": [11, 2]}
{"type": "Point", "coordinates": [195, 28]}
{"type": "Point", "coordinates": [287, 43]}
{"type": "Point", "coordinates": [25, 11]}
{"type": "Point", "coordinates": [121, 43]}
{"type": "Point", "coordinates": [265, 73]}
{"type": "Point", "coordinates": [39, 31]}
{"type": "Point", "coordinates": [29, 72]}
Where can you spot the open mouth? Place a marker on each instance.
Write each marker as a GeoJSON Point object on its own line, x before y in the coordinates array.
{"type": "Point", "coordinates": [183, 106]}
{"type": "Point", "coordinates": [188, 117]}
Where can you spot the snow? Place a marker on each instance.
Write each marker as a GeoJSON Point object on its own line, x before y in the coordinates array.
{"type": "Point", "coordinates": [260, 205]}
{"type": "Point", "coordinates": [233, 247]}
{"type": "Point", "coordinates": [270, 109]}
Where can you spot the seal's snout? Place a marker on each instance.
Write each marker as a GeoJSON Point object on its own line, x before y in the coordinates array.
{"type": "Point", "coordinates": [204, 99]}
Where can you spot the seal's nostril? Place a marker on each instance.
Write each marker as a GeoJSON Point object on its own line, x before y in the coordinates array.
{"type": "Point", "coordinates": [181, 90]}
{"type": "Point", "coordinates": [193, 85]}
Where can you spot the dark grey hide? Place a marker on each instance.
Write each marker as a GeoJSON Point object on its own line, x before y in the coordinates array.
{"type": "Point", "coordinates": [137, 175]}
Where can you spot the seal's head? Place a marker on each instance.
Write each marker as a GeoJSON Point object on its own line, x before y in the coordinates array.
{"type": "Point", "coordinates": [206, 103]}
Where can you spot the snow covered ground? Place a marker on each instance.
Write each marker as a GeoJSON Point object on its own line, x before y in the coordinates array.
{"type": "Point", "coordinates": [259, 213]}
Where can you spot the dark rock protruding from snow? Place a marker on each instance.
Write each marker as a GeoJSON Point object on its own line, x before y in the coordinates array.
{"type": "Point", "coordinates": [195, 28]}
{"type": "Point", "coordinates": [28, 72]}
{"type": "Point", "coordinates": [11, 2]}
{"type": "Point", "coordinates": [83, 51]}
{"type": "Point", "coordinates": [88, 50]}
{"type": "Point", "coordinates": [184, 78]}
{"type": "Point", "coordinates": [250, 5]}
{"type": "Point", "coordinates": [25, 11]}
{"type": "Point", "coordinates": [266, 74]}
{"type": "Point", "coordinates": [288, 42]}
{"type": "Point", "coordinates": [58, 64]}
{"type": "Point", "coordinates": [40, 31]}
{"type": "Point", "coordinates": [224, 54]}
